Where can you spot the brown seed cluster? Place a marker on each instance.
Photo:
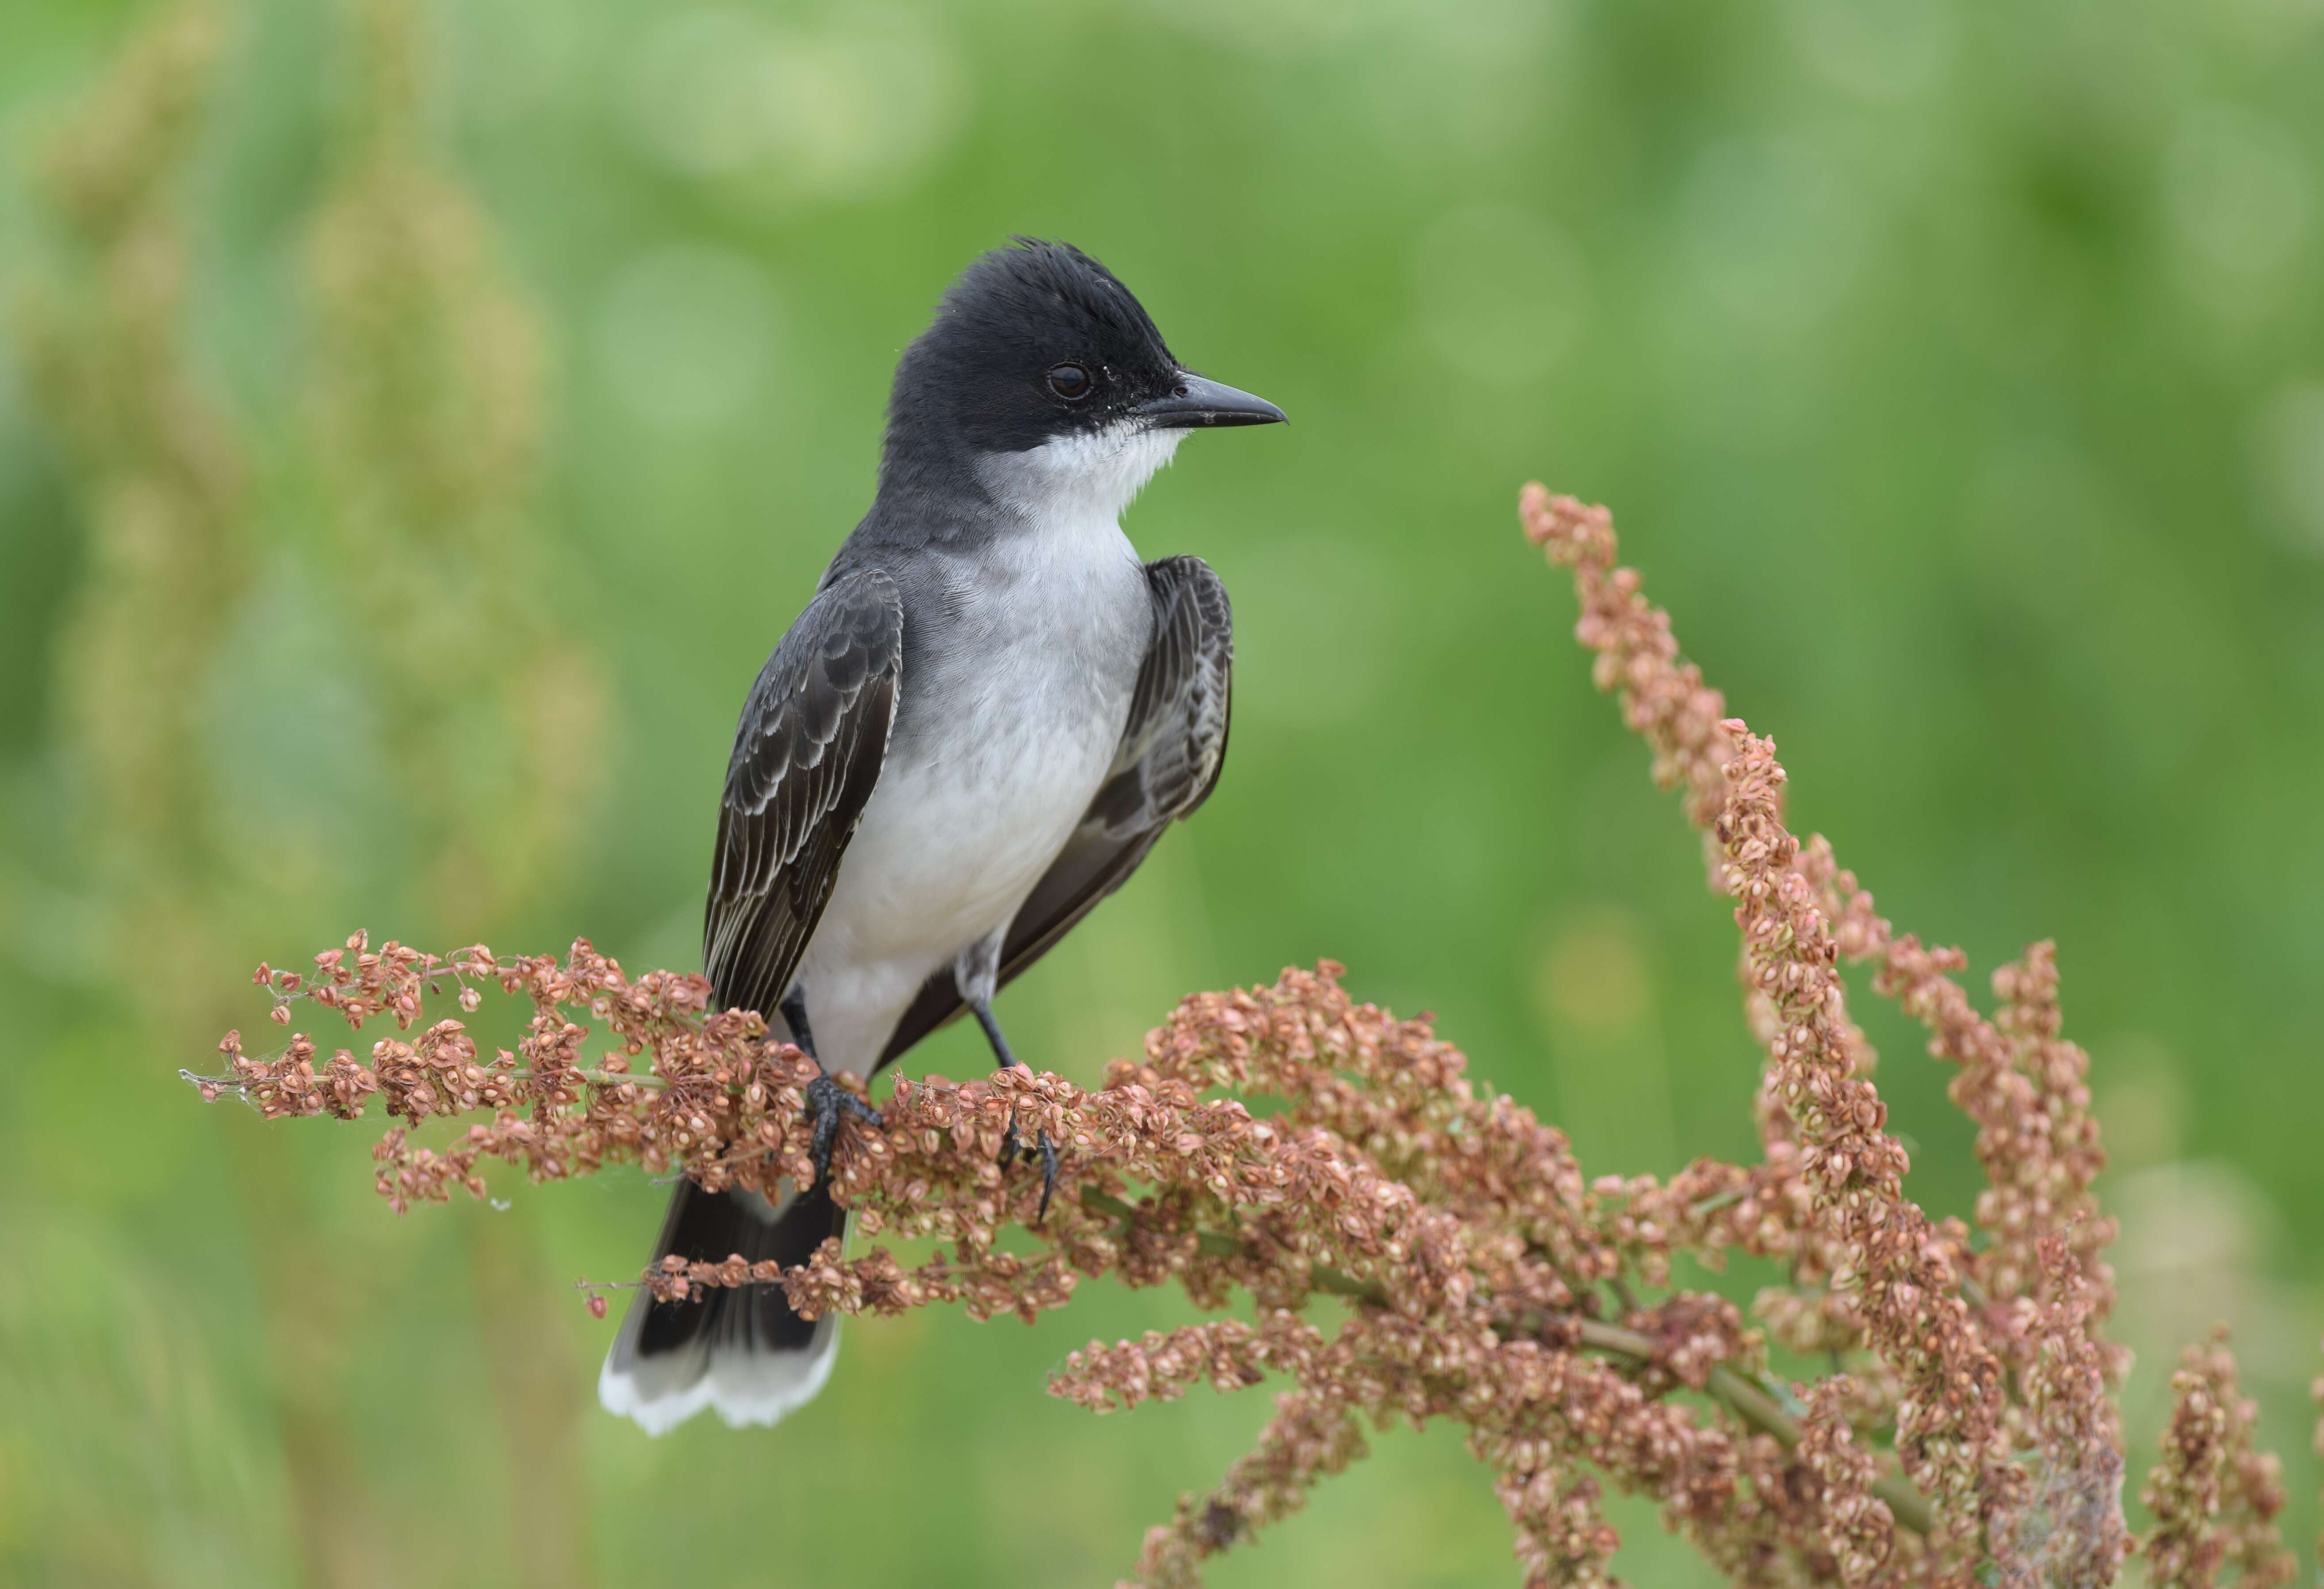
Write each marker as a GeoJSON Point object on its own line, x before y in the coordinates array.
{"type": "Point", "coordinates": [1919, 1403]}
{"type": "Point", "coordinates": [2213, 1497]}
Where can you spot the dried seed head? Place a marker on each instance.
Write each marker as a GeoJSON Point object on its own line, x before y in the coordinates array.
{"type": "Point", "coordinates": [1479, 1274]}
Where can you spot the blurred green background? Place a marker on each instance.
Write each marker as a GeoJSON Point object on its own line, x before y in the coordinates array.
{"type": "Point", "coordinates": [417, 422]}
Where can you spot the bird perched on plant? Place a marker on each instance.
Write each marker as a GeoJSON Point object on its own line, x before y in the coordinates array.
{"type": "Point", "coordinates": [975, 731]}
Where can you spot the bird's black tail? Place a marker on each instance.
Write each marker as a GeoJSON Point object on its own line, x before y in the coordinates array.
{"type": "Point", "coordinates": [739, 1350]}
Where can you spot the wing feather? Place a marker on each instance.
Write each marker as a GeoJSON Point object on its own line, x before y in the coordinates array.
{"type": "Point", "coordinates": [806, 754]}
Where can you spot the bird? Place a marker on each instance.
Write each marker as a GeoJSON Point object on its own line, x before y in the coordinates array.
{"type": "Point", "coordinates": [979, 727]}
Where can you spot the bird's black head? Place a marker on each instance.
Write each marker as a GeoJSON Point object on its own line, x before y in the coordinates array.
{"type": "Point", "coordinates": [1037, 344]}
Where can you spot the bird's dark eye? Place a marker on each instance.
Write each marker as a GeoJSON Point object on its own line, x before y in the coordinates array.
{"type": "Point", "coordinates": [1069, 381]}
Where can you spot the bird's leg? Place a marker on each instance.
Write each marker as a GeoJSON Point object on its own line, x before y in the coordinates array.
{"type": "Point", "coordinates": [977, 974]}
{"type": "Point", "coordinates": [1042, 1146]}
{"type": "Point", "coordinates": [827, 1102]}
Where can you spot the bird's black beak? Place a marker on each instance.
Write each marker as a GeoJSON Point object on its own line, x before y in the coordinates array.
{"type": "Point", "coordinates": [1195, 403]}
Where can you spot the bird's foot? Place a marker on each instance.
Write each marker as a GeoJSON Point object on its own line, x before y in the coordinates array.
{"type": "Point", "coordinates": [828, 1104]}
{"type": "Point", "coordinates": [1045, 1151]}
{"type": "Point", "coordinates": [1049, 1152]}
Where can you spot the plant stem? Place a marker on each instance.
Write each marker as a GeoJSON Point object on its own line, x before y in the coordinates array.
{"type": "Point", "coordinates": [1756, 1407]}
{"type": "Point", "coordinates": [1746, 1400]}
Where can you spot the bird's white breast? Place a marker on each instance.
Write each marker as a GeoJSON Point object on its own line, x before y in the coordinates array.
{"type": "Point", "coordinates": [1014, 708]}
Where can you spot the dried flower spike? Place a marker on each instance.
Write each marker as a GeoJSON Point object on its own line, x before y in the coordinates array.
{"type": "Point", "coordinates": [1954, 1421]}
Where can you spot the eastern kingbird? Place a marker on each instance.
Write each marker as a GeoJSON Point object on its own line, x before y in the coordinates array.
{"type": "Point", "coordinates": [975, 731]}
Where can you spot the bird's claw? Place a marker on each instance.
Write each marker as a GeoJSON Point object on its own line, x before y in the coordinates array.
{"type": "Point", "coordinates": [1048, 1151]}
{"type": "Point", "coordinates": [828, 1104]}
{"type": "Point", "coordinates": [1043, 1149]}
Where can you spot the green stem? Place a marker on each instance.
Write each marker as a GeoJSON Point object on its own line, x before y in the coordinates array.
{"type": "Point", "coordinates": [611, 1079]}
{"type": "Point", "coordinates": [1744, 1399]}
{"type": "Point", "coordinates": [1756, 1407]}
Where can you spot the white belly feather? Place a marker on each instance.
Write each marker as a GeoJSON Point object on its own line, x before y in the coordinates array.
{"type": "Point", "coordinates": [973, 806]}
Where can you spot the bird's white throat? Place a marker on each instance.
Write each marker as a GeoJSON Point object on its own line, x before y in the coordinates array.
{"type": "Point", "coordinates": [1094, 475]}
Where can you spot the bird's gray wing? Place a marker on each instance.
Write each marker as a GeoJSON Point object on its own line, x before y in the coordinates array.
{"type": "Point", "coordinates": [1172, 749]}
{"type": "Point", "coordinates": [806, 754]}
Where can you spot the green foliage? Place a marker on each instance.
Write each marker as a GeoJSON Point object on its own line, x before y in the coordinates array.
{"type": "Point", "coordinates": [380, 380]}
